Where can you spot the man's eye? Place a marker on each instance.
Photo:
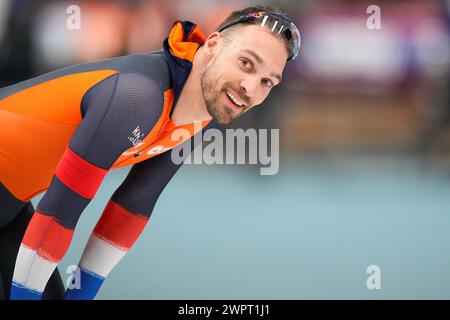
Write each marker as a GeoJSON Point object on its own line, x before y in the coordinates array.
{"type": "Point", "coordinates": [247, 64]}
{"type": "Point", "coordinates": [268, 83]}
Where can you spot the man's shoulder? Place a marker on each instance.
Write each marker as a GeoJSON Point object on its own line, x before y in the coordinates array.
{"type": "Point", "coordinates": [139, 84]}
{"type": "Point", "coordinates": [143, 76]}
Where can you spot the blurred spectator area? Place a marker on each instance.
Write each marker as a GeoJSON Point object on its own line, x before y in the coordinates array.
{"type": "Point", "coordinates": [355, 89]}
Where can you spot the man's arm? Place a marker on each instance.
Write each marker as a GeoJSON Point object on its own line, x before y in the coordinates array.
{"type": "Point", "coordinates": [112, 109]}
{"type": "Point", "coordinates": [124, 219]}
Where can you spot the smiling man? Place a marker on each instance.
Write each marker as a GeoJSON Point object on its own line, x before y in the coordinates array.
{"type": "Point", "coordinates": [63, 131]}
{"type": "Point", "coordinates": [240, 66]}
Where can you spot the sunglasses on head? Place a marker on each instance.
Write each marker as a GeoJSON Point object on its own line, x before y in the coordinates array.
{"type": "Point", "coordinates": [281, 25]}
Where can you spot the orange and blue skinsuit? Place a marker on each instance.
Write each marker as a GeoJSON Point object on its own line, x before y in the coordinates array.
{"type": "Point", "coordinates": [63, 131]}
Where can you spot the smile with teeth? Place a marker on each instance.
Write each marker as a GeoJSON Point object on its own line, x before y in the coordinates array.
{"type": "Point", "coordinates": [233, 98]}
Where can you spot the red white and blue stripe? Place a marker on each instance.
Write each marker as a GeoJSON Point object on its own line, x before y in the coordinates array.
{"type": "Point", "coordinates": [115, 233]}
{"type": "Point", "coordinates": [44, 244]}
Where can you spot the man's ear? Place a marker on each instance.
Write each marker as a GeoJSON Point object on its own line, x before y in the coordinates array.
{"type": "Point", "coordinates": [212, 44]}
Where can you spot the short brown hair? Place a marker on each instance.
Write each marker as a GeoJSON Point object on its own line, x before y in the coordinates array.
{"type": "Point", "coordinates": [235, 15]}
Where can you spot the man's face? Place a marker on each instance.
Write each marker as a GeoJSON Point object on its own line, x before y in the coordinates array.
{"type": "Point", "coordinates": [242, 72]}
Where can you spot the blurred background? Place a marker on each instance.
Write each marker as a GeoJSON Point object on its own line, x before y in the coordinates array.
{"type": "Point", "coordinates": [364, 119]}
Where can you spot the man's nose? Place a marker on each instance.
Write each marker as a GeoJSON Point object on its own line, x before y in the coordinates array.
{"type": "Point", "coordinates": [249, 87]}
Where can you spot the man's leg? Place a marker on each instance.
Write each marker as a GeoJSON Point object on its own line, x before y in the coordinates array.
{"type": "Point", "coordinates": [15, 216]}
